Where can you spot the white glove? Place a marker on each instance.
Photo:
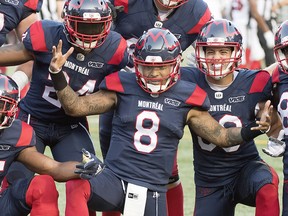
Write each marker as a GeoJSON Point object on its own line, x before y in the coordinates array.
{"type": "Point", "coordinates": [269, 37]}
{"type": "Point", "coordinates": [275, 146]}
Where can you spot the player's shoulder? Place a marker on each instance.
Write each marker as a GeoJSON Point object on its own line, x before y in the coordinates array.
{"type": "Point", "coordinates": [19, 134]}
{"type": "Point", "coordinates": [33, 5]}
{"type": "Point", "coordinates": [191, 74]}
{"type": "Point", "coordinates": [194, 6]}
{"type": "Point", "coordinates": [250, 74]}
{"type": "Point", "coordinates": [114, 38]}
{"type": "Point", "coordinates": [128, 4]}
{"type": "Point", "coordinates": [279, 76]}
{"type": "Point", "coordinates": [121, 82]}
{"type": "Point", "coordinates": [42, 35]}
{"type": "Point", "coordinates": [254, 80]}
{"type": "Point", "coordinates": [191, 93]}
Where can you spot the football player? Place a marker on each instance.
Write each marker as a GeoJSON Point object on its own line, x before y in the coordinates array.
{"type": "Point", "coordinates": [98, 52]}
{"type": "Point", "coordinates": [184, 18]}
{"type": "Point", "coordinates": [18, 17]}
{"type": "Point", "coordinates": [36, 195]}
{"type": "Point", "coordinates": [144, 142]}
{"type": "Point", "coordinates": [280, 80]}
{"type": "Point", "coordinates": [225, 177]}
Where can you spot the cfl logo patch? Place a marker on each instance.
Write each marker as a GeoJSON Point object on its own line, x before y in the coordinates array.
{"type": "Point", "coordinates": [158, 24]}
{"type": "Point", "coordinates": [132, 196]}
{"type": "Point", "coordinates": [218, 95]}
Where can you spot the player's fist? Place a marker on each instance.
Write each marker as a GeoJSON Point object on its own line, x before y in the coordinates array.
{"type": "Point", "coordinates": [90, 166]}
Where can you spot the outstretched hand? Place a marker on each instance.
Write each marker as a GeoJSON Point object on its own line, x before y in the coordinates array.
{"type": "Point", "coordinates": [58, 58]}
{"type": "Point", "coordinates": [265, 120]}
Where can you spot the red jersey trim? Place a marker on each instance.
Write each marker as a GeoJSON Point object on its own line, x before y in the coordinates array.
{"type": "Point", "coordinates": [119, 54]}
{"type": "Point", "coordinates": [204, 19]}
{"type": "Point", "coordinates": [32, 4]}
{"type": "Point", "coordinates": [276, 75]}
{"type": "Point", "coordinates": [198, 97]}
{"type": "Point", "coordinates": [259, 82]}
{"type": "Point", "coordinates": [122, 3]}
{"type": "Point", "coordinates": [113, 83]}
{"type": "Point", "coordinates": [25, 136]}
{"type": "Point", "coordinates": [38, 37]}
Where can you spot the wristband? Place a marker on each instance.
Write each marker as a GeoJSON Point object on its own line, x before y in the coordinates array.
{"type": "Point", "coordinates": [54, 72]}
{"type": "Point", "coordinates": [20, 78]}
{"type": "Point", "coordinates": [59, 80]}
{"type": "Point", "coordinates": [248, 134]}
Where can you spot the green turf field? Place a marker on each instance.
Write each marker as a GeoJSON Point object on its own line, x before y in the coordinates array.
{"type": "Point", "coordinates": [185, 158]}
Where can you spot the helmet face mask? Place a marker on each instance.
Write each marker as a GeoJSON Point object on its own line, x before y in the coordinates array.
{"type": "Point", "coordinates": [157, 58]}
{"type": "Point", "coordinates": [9, 97]}
{"type": "Point", "coordinates": [170, 4]}
{"type": "Point", "coordinates": [281, 46]}
{"type": "Point", "coordinates": [87, 23]}
{"type": "Point", "coordinates": [218, 34]}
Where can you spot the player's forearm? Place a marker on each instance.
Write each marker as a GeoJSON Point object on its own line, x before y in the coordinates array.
{"type": "Point", "coordinates": [65, 172]}
{"type": "Point", "coordinates": [12, 55]}
{"type": "Point", "coordinates": [70, 101]}
{"type": "Point", "coordinates": [75, 105]}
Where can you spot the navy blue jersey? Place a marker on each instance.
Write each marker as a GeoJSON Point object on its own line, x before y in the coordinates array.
{"type": "Point", "coordinates": [13, 12]}
{"type": "Point", "coordinates": [232, 107]}
{"type": "Point", "coordinates": [140, 15]}
{"type": "Point", "coordinates": [280, 82]}
{"type": "Point", "coordinates": [146, 130]}
{"type": "Point", "coordinates": [83, 73]}
{"type": "Point", "coordinates": [13, 140]}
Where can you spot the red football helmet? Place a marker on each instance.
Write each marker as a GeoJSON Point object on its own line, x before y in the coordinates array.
{"type": "Point", "coordinates": [156, 48]}
{"type": "Point", "coordinates": [218, 33]}
{"type": "Point", "coordinates": [281, 46]}
{"type": "Point", "coordinates": [9, 98]}
{"type": "Point", "coordinates": [171, 3]}
{"type": "Point", "coordinates": [87, 22]}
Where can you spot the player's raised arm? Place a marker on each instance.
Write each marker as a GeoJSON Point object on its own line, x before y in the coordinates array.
{"type": "Point", "coordinates": [73, 104]}
{"type": "Point", "coordinates": [205, 126]}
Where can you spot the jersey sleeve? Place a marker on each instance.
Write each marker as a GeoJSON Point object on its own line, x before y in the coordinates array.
{"type": "Point", "coordinates": [112, 82]}
{"type": "Point", "coordinates": [199, 98]}
{"type": "Point", "coordinates": [27, 136]}
{"type": "Point", "coordinates": [262, 82]}
{"type": "Point", "coordinates": [30, 7]}
{"type": "Point", "coordinates": [120, 57]}
{"type": "Point", "coordinates": [201, 14]}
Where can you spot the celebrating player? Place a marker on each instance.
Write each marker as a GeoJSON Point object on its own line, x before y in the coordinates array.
{"type": "Point", "coordinates": [184, 18]}
{"type": "Point", "coordinates": [280, 80]}
{"type": "Point", "coordinates": [144, 141]}
{"type": "Point", "coordinates": [225, 177]}
{"type": "Point", "coordinates": [98, 52]}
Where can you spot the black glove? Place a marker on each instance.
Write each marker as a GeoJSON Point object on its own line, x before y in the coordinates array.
{"type": "Point", "coordinates": [115, 10]}
{"type": "Point", "coordinates": [90, 166]}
